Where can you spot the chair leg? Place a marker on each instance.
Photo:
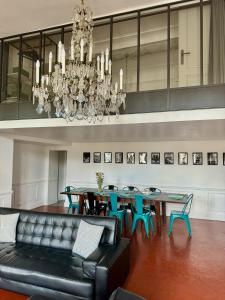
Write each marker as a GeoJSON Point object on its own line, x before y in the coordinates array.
{"type": "Point", "coordinates": [134, 224]}
{"type": "Point", "coordinates": [68, 209]}
{"type": "Point", "coordinates": [171, 225]}
{"type": "Point", "coordinates": [146, 223]}
{"type": "Point", "coordinates": [151, 223]}
{"type": "Point", "coordinates": [188, 225]}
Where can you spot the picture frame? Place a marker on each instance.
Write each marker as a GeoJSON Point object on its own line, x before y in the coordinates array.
{"type": "Point", "coordinates": [143, 158]}
{"type": "Point", "coordinates": [182, 158]}
{"type": "Point", "coordinates": [107, 157]}
{"type": "Point", "coordinates": [212, 158]}
{"type": "Point", "coordinates": [130, 157]}
{"type": "Point", "coordinates": [86, 157]}
{"type": "Point", "coordinates": [168, 158]}
{"type": "Point", "coordinates": [155, 158]}
{"type": "Point", "coordinates": [97, 157]}
{"type": "Point", "coordinates": [118, 157]}
{"type": "Point", "coordinates": [197, 158]}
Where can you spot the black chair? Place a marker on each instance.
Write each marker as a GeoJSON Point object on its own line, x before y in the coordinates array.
{"type": "Point", "coordinates": [92, 206]}
{"type": "Point", "coordinates": [131, 188]}
{"type": "Point", "coordinates": [110, 187]}
{"type": "Point", "coordinates": [152, 190]}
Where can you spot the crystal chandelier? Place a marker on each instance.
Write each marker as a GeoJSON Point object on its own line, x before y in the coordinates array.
{"type": "Point", "coordinates": [79, 87]}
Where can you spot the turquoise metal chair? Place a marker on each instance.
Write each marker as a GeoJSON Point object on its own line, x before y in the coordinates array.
{"type": "Point", "coordinates": [183, 215]}
{"type": "Point", "coordinates": [114, 211]}
{"type": "Point", "coordinates": [140, 213]}
{"type": "Point", "coordinates": [72, 205]}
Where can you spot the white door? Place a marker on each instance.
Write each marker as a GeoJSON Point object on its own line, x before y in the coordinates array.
{"type": "Point", "coordinates": [189, 45]}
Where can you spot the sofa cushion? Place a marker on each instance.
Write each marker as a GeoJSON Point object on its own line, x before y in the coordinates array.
{"type": "Point", "coordinates": [88, 238]}
{"type": "Point", "coordinates": [51, 268]}
{"type": "Point", "coordinates": [8, 225]}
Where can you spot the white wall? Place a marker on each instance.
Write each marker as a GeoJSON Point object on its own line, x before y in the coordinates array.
{"type": "Point", "coordinates": [6, 170]}
{"type": "Point", "coordinates": [206, 182]}
{"type": "Point", "coordinates": [30, 175]}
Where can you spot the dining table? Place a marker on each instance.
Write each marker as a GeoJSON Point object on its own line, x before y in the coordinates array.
{"type": "Point", "coordinates": [158, 199]}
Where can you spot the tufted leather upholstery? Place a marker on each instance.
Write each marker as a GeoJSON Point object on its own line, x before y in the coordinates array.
{"type": "Point", "coordinates": [42, 257]}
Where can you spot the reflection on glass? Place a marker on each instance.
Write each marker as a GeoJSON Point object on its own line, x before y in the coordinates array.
{"type": "Point", "coordinates": [10, 69]}
{"type": "Point", "coordinates": [30, 54]}
{"type": "Point", "coordinates": [101, 38]}
{"type": "Point", "coordinates": [187, 21]}
{"type": "Point", "coordinates": [153, 52]}
{"type": "Point", "coordinates": [125, 53]}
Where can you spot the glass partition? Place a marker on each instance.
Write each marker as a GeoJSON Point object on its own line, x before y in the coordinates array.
{"type": "Point", "coordinates": [153, 50]}
{"type": "Point", "coordinates": [124, 54]}
{"type": "Point", "coordinates": [187, 41]}
{"type": "Point", "coordinates": [30, 53]}
{"type": "Point", "coordinates": [10, 70]}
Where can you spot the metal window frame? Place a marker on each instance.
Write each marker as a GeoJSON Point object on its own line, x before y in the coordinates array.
{"type": "Point", "coordinates": [111, 19]}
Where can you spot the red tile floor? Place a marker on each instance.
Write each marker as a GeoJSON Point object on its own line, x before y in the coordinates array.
{"type": "Point", "coordinates": [175, 268]}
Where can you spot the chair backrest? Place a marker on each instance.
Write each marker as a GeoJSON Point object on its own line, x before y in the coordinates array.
{"type": "Point", "coordinates": [69, 188]}
{"type": "Point", "coordinates": [131, 188]}
{"type": "Point", "coordinates": [152, 190]}
{"type": "Point", "coordinates": [139, 204]}
{"type": "Point", "coordinates": [113, 201]}
{"type": "Point", "coordinates": [187, 207]}
{"type": "Point", "coordinates": [91, 200]}
{"type": "Point", "coordinates": [110, 187]}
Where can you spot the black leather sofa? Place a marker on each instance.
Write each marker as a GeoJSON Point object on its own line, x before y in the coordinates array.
{"type": "Point", "coordinates": [41, 261]}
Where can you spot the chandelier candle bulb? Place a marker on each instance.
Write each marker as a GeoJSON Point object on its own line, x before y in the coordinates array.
{"type": "Point", "coordinates": [63, 61]}
{"type": "Point", "coordinates": [59, 52]}
{"type": "Point", "coordinates": [107, 59]}
{"type": "Point", "coordinates": [50, 63]}
{"type": "Point", "coordinates": [47, 80]}
{"type": "Point", "coordinates": [37, 71]}
{"type": "Point", "coordinates": [81, 50]}
{"type": "Point", "coordinates": [116, 87]}
{"type": "Point", "coordinates": [98, 64]}
{"type": "Point", "coordinates": [121, 79]}
{"type": "Point", "coordinates": [110, 67]}
{"type": "Point", "coordinates": [42, 81]}
{"type": "Point", "coordinates": [90, 53]}
{"type": "Point", "coordinates": [72, 49]}
{"type": "Point", "coordinates": [102, 66]}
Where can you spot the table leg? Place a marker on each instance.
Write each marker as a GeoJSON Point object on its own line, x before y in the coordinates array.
{"type": "Point", "coordinates": [157, 216]}
{"type": "Point", "coordinates": [81, 202]}
{"type": "Point", "coordinates": [164, 212]}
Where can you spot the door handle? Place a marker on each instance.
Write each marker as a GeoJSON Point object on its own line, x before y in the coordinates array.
{"type": "Point", "coordinates": [182, 53]}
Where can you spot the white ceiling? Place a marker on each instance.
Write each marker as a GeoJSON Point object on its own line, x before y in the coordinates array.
{"type": "Point", "coordinates": [19, 16]}
{"type": "Point", "coordinates": [164, 131]}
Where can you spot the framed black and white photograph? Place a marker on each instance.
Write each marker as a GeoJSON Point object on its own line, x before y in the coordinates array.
{"type": "Point", "coordinates": [86, 157]}
{"type": "Point", "coordinates": [155, 158]}
{"type": "Point", "coordinates": [108, 157]}
{"type": "Point", "coordinates": [169, 158]}
{"type": "Point", "coordinates": [130, 157]}
{"type": "Point", "coordinates": [142, 158]}
{"type": "Point", "coordinates": [224, 159]}
{"type": "Point", "coordinates": [182, 158]}
{"type": "Point", "coordinates": [118, 157]}
{"type": "Point", "coordinates": [97, 157]}
{"type": "Point", "coordinates": [212, 158]}
{"type": "Point", "coordinates": [197, 158]}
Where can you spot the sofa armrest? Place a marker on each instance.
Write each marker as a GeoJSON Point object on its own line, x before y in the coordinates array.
{"type": "Point", "coordinates": [112, 269]}
{"type": "Point", "coordinates": [90, 263]}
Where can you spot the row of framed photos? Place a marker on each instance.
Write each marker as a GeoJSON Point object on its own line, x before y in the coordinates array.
{"type": "Point", "coordinates": [197, 158]}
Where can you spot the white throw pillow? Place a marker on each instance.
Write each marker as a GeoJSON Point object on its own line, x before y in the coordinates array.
{"type": "Point", "coordinates": [88, 238]}
{"type": "Point", "coordinates": [8, 225]}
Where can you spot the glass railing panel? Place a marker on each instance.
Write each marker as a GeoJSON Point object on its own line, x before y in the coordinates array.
{"type": "Point", "coordinates": [125, 51]}
{"type": "Point", "coordinates": [153, 50]}
{"type": "Point", "coordinates": [10, 70]}
{"type": "Point", "coordinates": [187, 41]}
